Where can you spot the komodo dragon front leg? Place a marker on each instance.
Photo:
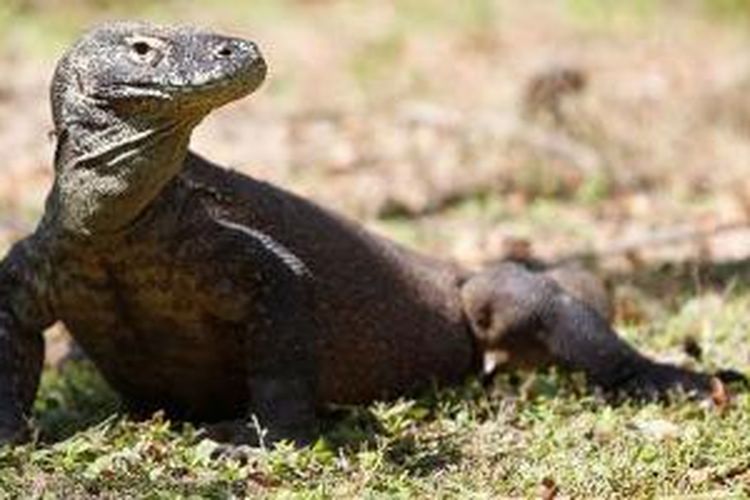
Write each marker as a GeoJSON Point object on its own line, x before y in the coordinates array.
{"type": "Point", "coordinates": [21, 346]}
{"type": "Point", "coordinates": [281, 332]}
{"type": "Point", "coordinates": [532, 319]}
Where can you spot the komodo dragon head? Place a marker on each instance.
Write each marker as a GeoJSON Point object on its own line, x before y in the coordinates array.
{"type": "Point", "coordinates": [125, 99]}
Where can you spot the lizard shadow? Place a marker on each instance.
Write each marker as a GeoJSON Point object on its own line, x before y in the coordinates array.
{"type": "Point", "coordinates": [73, 397]}
{"type": "Point", "coordinates": [403, 430]}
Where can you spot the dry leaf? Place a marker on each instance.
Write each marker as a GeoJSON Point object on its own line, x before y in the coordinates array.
{"type": "Point", "coordinates": [548, 489]}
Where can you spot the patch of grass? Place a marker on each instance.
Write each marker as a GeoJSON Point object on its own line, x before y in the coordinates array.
{"type": "Point", "coordinates": [609, 14]}
{"type": "Point", "coordinates": [611, 9]}
{"type": "Point", "coordinates": [7, 10]}
{"type": "Point", "coordinates": [612, 13]}
{"type": "Point", "coordinates": [713, 320]}
{"type": "Point", "coordinates": [402, 230]}
{"type": "Point", "coordinates": [38, 26]}
{"type": "Point", "coordinates": [733, 10]}
{"type": "Point", "coordinates": [454, 442]}
{"type": "Point", "coordinates": [378, 58]}
{"type": "Point", "coordinates": [71, 399]}
{"type": "Point", "coordinates": [482, 205]}
{"type": "Point", "coordinates": [540, 179]}
{"type": "Point", "coordinates": [462, 441]}
{"type": "Point", "coordinates": [595, 188]}
{"type": "Point", "coordinates": [437, 15]}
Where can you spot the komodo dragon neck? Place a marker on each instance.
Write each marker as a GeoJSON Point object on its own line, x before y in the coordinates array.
{"type": "Point", "coordinates": [110, 169]}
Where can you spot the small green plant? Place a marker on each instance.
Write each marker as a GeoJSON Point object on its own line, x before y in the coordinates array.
{"type": "Point", "coordinates": [733, 10]}
{"type": "Point", "coordinates": [608, 13]}
{"type": "Point", "coordinates": [378, 59]}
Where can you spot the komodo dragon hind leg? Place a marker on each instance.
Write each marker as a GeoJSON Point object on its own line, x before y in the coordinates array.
{"type": "Point", "coordinates": [511, 306]}
{"type": "Point", "coordinates": [281, 346]}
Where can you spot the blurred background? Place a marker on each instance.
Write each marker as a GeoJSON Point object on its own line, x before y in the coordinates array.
{"type": "Point", "coordinates": [617, 132]}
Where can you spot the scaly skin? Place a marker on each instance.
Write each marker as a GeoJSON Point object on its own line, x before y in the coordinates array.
{"type": "Point", "coordinates": [205, 292]}
{"type": "Point", "coordinates": [561, 316]}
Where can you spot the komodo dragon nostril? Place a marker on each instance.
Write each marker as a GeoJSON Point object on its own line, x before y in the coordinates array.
{"type": "Point", "coordinates": [224, 50]}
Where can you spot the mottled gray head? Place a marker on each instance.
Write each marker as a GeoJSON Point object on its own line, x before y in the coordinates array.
{"type": "Point", "coordinates": [125, 99]}
{"type": "Point", "coordinates": [129, 67]}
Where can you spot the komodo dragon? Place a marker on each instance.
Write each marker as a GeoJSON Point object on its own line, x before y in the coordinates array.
{"type": "Point", "coordinates": [212, 295]}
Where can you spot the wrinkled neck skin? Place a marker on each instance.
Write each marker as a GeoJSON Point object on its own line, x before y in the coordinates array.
{"type": "Point", "coordinates": [109, 167]}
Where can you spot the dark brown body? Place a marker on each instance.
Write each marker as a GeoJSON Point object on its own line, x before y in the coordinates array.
{"type": "Point", "coordinates": [165, 318]}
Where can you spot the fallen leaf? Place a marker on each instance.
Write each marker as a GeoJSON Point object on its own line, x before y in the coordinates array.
{"type": "Point", "coordinates": [548, 489]}
{"type": "Point", "coordinates": [719, 395]}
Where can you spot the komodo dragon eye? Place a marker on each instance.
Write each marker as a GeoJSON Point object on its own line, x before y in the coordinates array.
{"type": "Point", "coordinates": [146, 50]}
{"type": "Point", "coordinates": [141, 48]}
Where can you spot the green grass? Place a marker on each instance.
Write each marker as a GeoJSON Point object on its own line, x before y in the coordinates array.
{"type": "Point", "coordinates": [37, 27]}
{"type": "Point", "coordinates": [607, 12]}
{"type": "Point", "coordinates": [611, 14]}
{"type": "Point", "coordinates": [465, 441]}
{"type": "Point", "coordinates": [733, 10]}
